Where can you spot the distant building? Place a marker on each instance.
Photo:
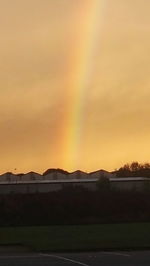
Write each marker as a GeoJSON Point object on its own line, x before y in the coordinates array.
{"type": "Point", "coordinates": [56, 179]}
{"type": "Point", "coordinates": [101, 173]}
{"type": "Point", "coordinates": [45, 186]}
{"type": "Point", "coordinates": [78, 175]}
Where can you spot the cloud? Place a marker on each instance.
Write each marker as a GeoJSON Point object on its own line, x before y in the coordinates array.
{"type": "Point", "coordinates": [38, 43]}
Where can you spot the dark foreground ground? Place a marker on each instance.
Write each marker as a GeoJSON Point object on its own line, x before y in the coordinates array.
{"type": "Point", "coordinates": [78, 238]}
{"type": "Point", "coordinates": [85, 259]}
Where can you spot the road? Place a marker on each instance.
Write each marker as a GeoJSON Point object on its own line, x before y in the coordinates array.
{"type": "Point", "coordinates": [140, 258]}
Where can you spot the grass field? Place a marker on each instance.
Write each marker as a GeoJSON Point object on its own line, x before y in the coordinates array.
{"type": "Point", "coordinates": [79, 238]}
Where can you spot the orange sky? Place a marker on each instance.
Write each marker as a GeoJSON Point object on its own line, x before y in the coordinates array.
{"type": "Point", "coordinates": [39, 41]}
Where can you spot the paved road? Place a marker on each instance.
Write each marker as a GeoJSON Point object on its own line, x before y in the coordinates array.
{"type": "Point", "coordinates": [81, 259]}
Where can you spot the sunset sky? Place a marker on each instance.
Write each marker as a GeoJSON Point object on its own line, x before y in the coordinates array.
{"type": "Point", "coordinates": [74, 84]}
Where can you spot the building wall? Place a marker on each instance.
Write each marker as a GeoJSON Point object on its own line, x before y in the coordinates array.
{"type": "Point", "coordinates": [129, 185]}
{"type": "Point", "coordinates": [49, 186]}
{"type": "Point", "coordinates": [28, 188]}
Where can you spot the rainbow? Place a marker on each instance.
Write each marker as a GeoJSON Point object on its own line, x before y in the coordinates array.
{"type": "Point", "coordinates": [80, 77]}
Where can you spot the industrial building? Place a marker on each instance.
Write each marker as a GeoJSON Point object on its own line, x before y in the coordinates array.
{"type": "Point", "coordinates": [55, 181]}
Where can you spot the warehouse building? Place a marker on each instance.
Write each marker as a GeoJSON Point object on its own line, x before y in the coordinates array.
{"type": "Point", "coordinates": [92, 184]}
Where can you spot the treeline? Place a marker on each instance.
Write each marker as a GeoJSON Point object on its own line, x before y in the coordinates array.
{"type": "Point", "coordinates": [134, 169]}
{"type": "Point", "coordinates": [75, 206]}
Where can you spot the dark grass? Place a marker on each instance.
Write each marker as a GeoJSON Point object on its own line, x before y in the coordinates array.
{"type": "Point", "coordinates": [79, 238]}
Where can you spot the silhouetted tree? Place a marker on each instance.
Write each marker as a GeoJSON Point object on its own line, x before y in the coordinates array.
{"type": "Point", "coordinates": [134, 169]}
{"type": "Point", "coordinates": [103, 184]}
